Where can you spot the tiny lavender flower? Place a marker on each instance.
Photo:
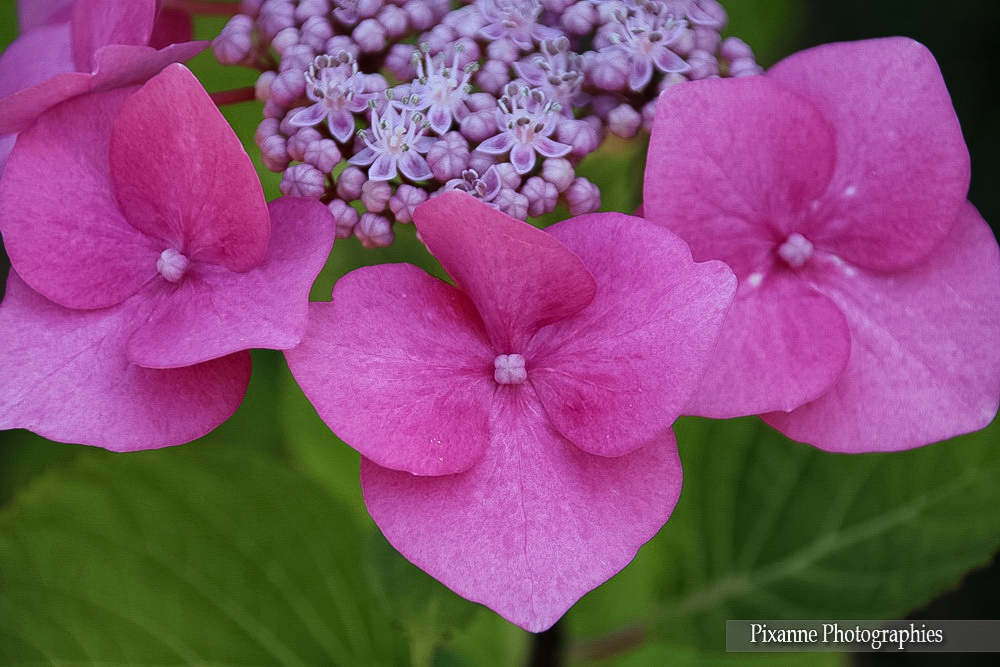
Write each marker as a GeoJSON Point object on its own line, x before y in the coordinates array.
{"type": "Point", "coordinates": [525, 119]}
{"type": "Point", "coordinates": [514, 427]}
{"type": "Point", "coordinates": [338, 90]}
{"type": "Point", "coordinates": [395, 143]}
{"type": "Point", "coordinates": [867, 313]}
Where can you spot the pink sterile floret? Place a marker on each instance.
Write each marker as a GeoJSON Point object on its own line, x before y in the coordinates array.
{"type": "Point", "coordinates": [81, 46]}
{"type": "Point", "coordinates": [139, 221]}
{"type": "Point", "coordinates": [867, 312]}
{"type": "Point", "coordinates": [514, 427]}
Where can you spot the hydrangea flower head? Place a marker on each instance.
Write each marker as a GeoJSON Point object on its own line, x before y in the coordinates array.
{"type": "Point", "coordinates": [145, 262]}
{"type": "Point", "coordinates": [835, 186]}
{"type": "Point", "coordinates": [514, 426]}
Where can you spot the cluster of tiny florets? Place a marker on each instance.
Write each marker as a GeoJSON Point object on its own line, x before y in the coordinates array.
{"type": "Point", "coordinates": [373, 106]}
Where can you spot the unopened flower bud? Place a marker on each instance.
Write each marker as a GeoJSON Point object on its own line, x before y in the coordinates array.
{"type": "Point", "coordinates": [323, 154]}
{"type": "Point", "coordinates": [582, 196]}
{"type": "Point", "coordinates": [559, 172]}
{"type": "Point", "coordinates": [288, 87]}
{"type": "Point", "coordinates": [406, 199]}
{"type": "Point", "coordinates": [233, 44]}
{"type": "Point", "coordinates": [344, 216]}
{"type": "Point", "coordinates": [349, 183]}
{"type": "Point", "coordinates": [542, 196]}
{"type": "Point", "coordinates": [285, 38]}
{"type": "Point", "coordinates": [374, 231]}
{"type": "Point", "coordinates": [303, 180]}
{"type": "Point", "coordinates": [370, 36]}
{"type": "Point", "coordinates": [273, 153]}
{"type": "Point", "coordinates": [624, 121]}
{"type": "Point", "coordinates": [375, 195]}
{"type": "Point", "coordinates": [298, 142]}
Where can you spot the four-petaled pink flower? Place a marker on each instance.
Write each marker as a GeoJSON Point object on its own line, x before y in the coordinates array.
{"type": "Point", "coordinates": [81, 46]}
{"type": "Point", "coordinates": [868, 309]}
{"type": "Point", "coordinates": [145, 263]}
{"type": "Point", "coordinates": [514, 427]}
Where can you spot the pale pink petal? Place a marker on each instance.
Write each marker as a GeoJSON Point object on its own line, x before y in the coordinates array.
{"type": "Point", "coordinates": [62, 228]}
{"type": "Point", "coordinates": [668, 61]}
{"type": "Point", "coordinates": [533, 526]}
{"type": "Point", "coordinates": [341, 125]}
{"type": "Point", "coordinates": [439, 116]}
{"type": "Point", "coordinates": [180, 174]}
{"type": "Point", "coordinates": [399, 367]}
{"type": "Point", "coordinates": [414, 166]}
{"type": "Point", "coordinates": [734, 165]}
{"type": "Point", "coordinates": [309, 116]}
{"type": "Point", "coordinates": [66, 378]}
{"type": "Point", "coordinates": [383, 167]}
{"type": "Point", "coordinates": [550, 148]}
{"type": "Point", "coordinates": [783, 343]}
{"type": "Point", "coordinates": [519, 277]}
{"type": "Point", "coordinates": [497, 145]}
{"type": "Point", "coordinates": [620, 371]}
{"type": "Point", "coordinates": [640, 72]}
{"type": "Point", "coordinates": [902, 166]}
{"type": "Point", "coordinates": [925, 364]}
{"type": "Point", "coordinates": [522, 156]}
{"type": "Point", "coordinates": [213, 311]}
{"type": "Point", "coordinates": [98, 23]}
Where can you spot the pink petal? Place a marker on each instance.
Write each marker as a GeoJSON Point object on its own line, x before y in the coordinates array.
{"type": "Point", "coordinates": [97, 23]}
{"type": "Point", "coordinates": [924, 364]}
{"type": "Point", "coordinates": [734, 165]}
{"type": "Point", "coordinates": [62, 228]}
{"type": "Point", "coordinates": [900, 151]}
{"type": "Point", "coordinates": [32, 14]}
{"type": "Point", "coordinates": [536, 524]}
{"type": "Point", "coordinates": [519, 277]}
{"type": "Point", "coordinates": [173, 25]}
{"type": "Point", "coordinates": [124, 65]}
{"type": "Point", "coordinates": [34, 57]}
{"type": "Point", "coordinates": [66, 378]}
{"type": "Point", "coordinates": [181, 175]}
{"type": "Point", "coordinates": [398, 366]}
{"type": "Point", "coordinates": [214, 311]}
{"type": "Point", "coordinates": [19, 111]}
{"type": "Point", "coordinates": [782, 344]}
{"type": "Point", "coordinates": [621, 370]}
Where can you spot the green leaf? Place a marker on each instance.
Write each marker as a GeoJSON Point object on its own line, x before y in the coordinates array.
{"type": "Point", "coordinates": [190, 555]}
{"type": "Point", "coordinates": [768, 528]}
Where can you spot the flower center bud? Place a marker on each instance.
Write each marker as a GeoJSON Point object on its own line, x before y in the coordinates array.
{"type": "Point", "coordinates": [509, 369]}
{"type": "Point", "coordinates": [796, 250]}
{"type": "Point", "coordinates": [172, 265]}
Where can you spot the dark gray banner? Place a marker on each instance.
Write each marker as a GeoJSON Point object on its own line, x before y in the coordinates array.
{"type": "Point", "coordinates": [859, 636]}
